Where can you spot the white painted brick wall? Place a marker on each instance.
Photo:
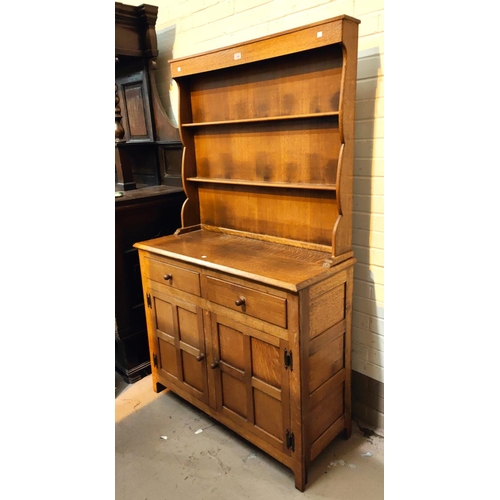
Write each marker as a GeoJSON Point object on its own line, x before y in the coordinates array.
{"type": "Point", "coordinates": [200, 25]}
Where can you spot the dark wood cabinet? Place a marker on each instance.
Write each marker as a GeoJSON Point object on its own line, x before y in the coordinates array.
{"type": "Point", "coordinates": [148, 146]}
{"type": "Point", "coordinates": [249, 303]}
{"type": "Point", "coordinates": [141, 213]}
{"type": "Point", "coordinates": [148, 178]}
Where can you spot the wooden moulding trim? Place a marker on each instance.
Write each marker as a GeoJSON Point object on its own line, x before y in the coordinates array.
{"type": "Point", "coordinates": [285, 42]}
{"type": "Point", "coordinates": [189, 229]}
{"type": "Point", "coordinates": [265, 237]}
{"type": "Point", "coordinates": [142, 19]}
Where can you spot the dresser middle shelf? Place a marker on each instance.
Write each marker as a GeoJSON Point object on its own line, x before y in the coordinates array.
{"type": "Point", "coordinates": [283, 185]}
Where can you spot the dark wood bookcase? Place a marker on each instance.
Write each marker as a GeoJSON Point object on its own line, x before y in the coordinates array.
{"type": "Point", "coordinates": [249, 303]}
{"type": "Point", "coordinates": [147, 177]}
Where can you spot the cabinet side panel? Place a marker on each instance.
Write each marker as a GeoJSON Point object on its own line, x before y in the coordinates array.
{"type": "Point", "coordinates": [327, 406]}
{"type": "Point", "coordinates": [326, 356]}
{"type": "Point", "coordinates": [342, 233]}
{"type": "Point", "coordinates": [327, 310]}
{"type": "Point", "coordinates": [151, 323]}
{"type": "Point", "coordinates": [329, 360]}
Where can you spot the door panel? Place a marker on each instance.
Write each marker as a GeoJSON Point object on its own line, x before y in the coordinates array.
{"type": "Point", "coordinates": [164, 318]}
{"type": "Point", "coordinates": [266, 362]}
{"type": "Point", "coordinates": [268, 413]}
{"type": "Point", "coordinates": [181, 343]}
{"type": "Point", "coordinates": [231, 346]}
{"type": "Point", "coordinates": [233, 395]}
{"type": "Point", "coordinates": [167, 359]}
{"type": "Point", "coordinates": [188, 328]}
{"type": "Point", "coordinates": [251, 380]}
{"type": "Point", "coordinates": [194, 372]}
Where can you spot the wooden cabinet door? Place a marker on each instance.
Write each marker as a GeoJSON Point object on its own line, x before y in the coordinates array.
{"type": "Point", "coordinates": [180, 343]}
{"type": "Point", "coordinates": [251, 380]}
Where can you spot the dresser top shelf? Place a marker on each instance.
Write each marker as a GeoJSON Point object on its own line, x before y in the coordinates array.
{"type": "Point", "coordinates": [318, 34]}
{"type": "Point", "coordinates": [287, 267]}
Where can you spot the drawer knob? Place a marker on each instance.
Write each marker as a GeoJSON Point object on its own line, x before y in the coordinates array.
{"type": "Point", "coordinates": [240, 301]}
{"type": "Point", "coordinates": [200, 357]}
{"type": "Point", "coordinates": [167, 277]}
{"type": "Point", "coordinates": [215, 364]}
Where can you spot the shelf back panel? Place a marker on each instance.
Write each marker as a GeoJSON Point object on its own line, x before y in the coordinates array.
{"type": "Point", "coordinates": [300, 215]}
{"type": "Point", "coordinates": [302, 151]}
{"type": "Point", "coordinates": [297, 84]}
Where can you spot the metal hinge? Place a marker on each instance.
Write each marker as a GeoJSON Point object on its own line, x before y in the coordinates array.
{"type": "Point", "coordinates": [290, 440]}
{"type": "Point", "coordinates": [155, 360]}
{"type": "Point", "coordinates": [148, 297]}
{"type": "Point", "coordinates": [288, 360]}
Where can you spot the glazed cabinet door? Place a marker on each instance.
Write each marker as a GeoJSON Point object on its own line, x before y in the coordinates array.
{"type": "Point", "coordinates": [251, 380]}
{"type": "Point", "coordinates": [180, 343]}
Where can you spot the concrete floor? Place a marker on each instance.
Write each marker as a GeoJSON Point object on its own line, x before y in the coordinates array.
{"type": "Point", "coordinates": [161, 455]}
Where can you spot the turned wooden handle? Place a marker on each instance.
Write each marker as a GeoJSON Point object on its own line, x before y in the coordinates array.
{"type": "Point", "coordinates": [167, 277]}
{"type": "Point", "coordinates": [240, 301]}
{"type": "Point", "coordinates": [200, 357]}
{"type": "Point", "coordinates": [215, 364]}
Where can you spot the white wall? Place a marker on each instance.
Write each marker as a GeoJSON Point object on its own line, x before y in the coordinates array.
{"type": "Point", "coordinates": [192, 26]}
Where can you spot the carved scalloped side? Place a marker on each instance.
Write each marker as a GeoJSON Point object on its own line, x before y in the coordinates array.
{"type": "Point", "coordinates": [342, 230]}
{"type": "Point", "coordinates": [190, 214]}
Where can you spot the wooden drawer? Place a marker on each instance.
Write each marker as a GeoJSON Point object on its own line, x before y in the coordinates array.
{"type": "Point", "coordinates": [255, 303]}
{"type": "Point", "coordinates": [174, 276]}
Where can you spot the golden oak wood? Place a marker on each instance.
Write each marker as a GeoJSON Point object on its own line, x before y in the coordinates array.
{"type": "Point", "coordinates": [250, 301]}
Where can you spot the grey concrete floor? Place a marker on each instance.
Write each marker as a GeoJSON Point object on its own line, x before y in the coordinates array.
{"type": "Point", "coordinates": [166, 449]}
